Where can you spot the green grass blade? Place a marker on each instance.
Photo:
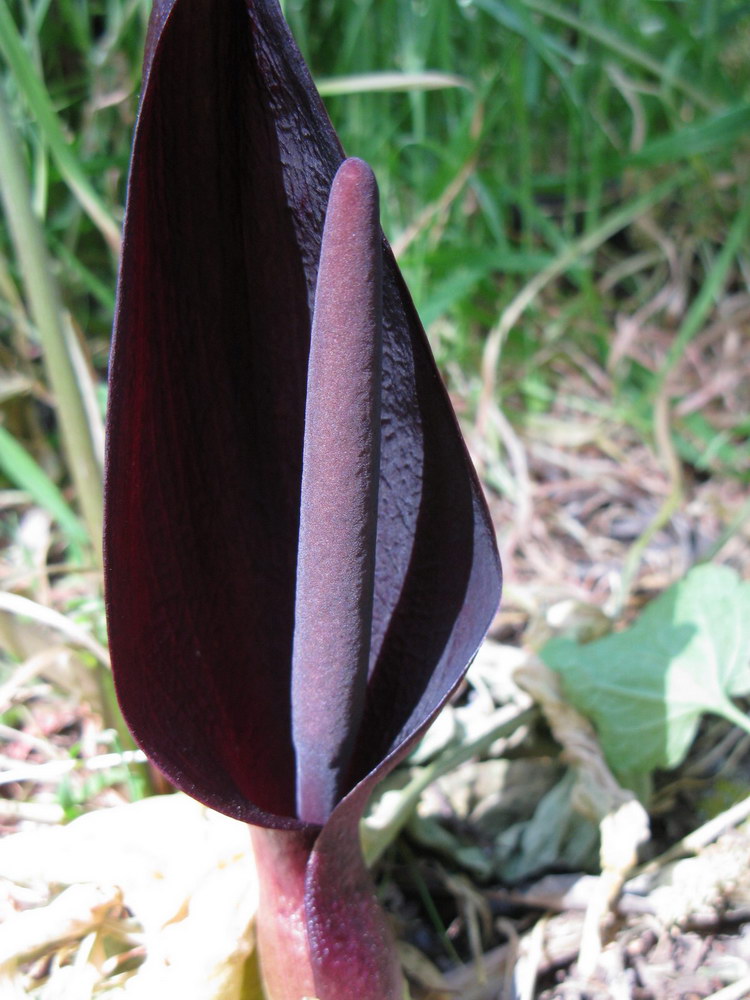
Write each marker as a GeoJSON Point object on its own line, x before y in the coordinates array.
{"type": "Point", "coordinates": [709, 293]}
{"type": "Point", "coordinates": [103, 293]}
{"type": "Point", "coordinates": [37, 98]}
{"type": "Point", "coordinates": [373, 83]}
{"type": "Point", "coordinates": [720, 131]}
{"type": "Point", "coordinates": [624, 49]}
{"type": "Point", "coordinates": [26, 474]}
{"type": "Point", "coordinates": [515, 17]}
{"type": "Point", "coordinates": [609, 225]}
{"type": "Point", "coordinates": [61, 359]}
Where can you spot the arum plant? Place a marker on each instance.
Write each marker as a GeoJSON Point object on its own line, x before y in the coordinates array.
{"type": "Point", "coordinates": [299, 561]}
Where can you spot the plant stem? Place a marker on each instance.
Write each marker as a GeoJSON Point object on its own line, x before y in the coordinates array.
{"type": "Point", "coordinates": [53, 325]}
{"type": "Point", "coordinates": [321, 931]}
{"type": "Point", "coordinates": [281, 857]}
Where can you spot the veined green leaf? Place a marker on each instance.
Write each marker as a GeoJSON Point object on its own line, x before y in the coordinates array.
{"type": "Point", "coordinates": [646, 688]}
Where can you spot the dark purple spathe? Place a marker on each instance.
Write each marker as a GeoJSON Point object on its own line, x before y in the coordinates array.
{"type": "Point", "coordinates": [232, 166]}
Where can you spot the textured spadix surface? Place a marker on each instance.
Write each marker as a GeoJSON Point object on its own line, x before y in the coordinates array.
{"type": "Point", "coordinates": [339, 499]}
{"type": "Point", "coordinates": [206, 494]}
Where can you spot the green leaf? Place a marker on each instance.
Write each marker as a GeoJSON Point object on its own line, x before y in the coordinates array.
{"type": "Point", "coordinates": [555, 834]}
{"type": "Point", "coordinates": [645, 688]}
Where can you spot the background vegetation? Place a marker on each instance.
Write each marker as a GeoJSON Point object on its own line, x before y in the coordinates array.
{"type": "Point", "coordinates": [566, 185]}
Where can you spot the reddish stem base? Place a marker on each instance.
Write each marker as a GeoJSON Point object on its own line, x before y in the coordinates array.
{"type": "Point", "coordinates": [321, 932]}
{"type": "Point", "coordinates": [281, 857]}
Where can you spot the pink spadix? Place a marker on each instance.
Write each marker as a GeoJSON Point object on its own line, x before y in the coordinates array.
{"type": "Point", "coordinates": [299, 561]}
{"type": "Point", "coordinates": [339, 504]}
